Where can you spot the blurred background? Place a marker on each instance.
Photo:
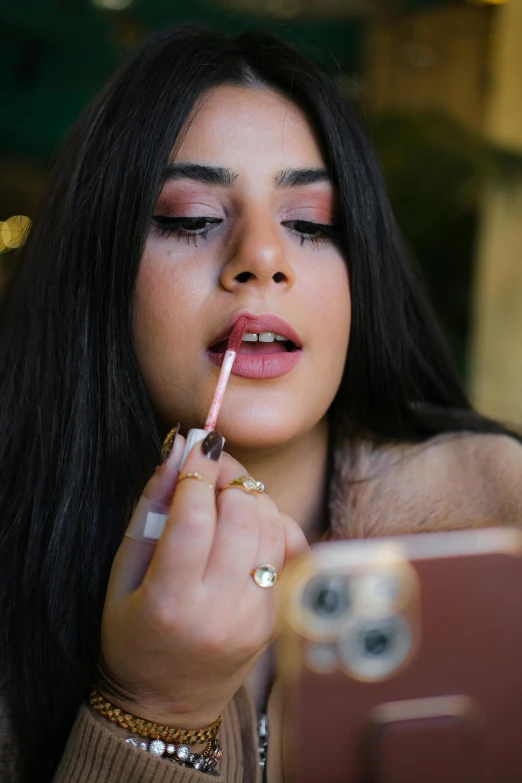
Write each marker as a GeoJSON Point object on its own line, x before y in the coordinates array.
{"type": "Point", "coordinates": [439, 85]}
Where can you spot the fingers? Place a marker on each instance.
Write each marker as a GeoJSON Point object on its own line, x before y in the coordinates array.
{"type": "Point", "coordinates": [157, 496]}
{"type": "Point", "coordinates": [249, 533]}
{"type": "Point", "coordinates": [271, 546]}
{"type": "Point", "coordinates": [237, 533]}
{"type": "Point", "coordinates": [295, 540]}
{"type": "Point", "coordinates": [182, 553]}
{"type": "Point", "coordinates": [135, 552]}
{"type": "Point", "coordinates": [203, 540]}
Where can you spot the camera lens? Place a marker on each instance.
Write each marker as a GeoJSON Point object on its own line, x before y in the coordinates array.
{"type": "Point", "coordinates": [328, 602]}
{"type": "Point", "coordinates": [327, 596]}
{"type": "Point", "coordinates": [373, 649]}
{"type": "Point", "coordinates": [376, 642]}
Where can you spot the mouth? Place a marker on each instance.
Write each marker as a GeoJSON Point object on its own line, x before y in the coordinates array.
{"type": "Point", "coordinates": [270, 347]}
{"type": "Point", "coordinates": [255, 344]}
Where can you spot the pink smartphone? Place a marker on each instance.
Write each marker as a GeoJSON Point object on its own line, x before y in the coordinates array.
{"type": "Point", "coordinates": [400, 660]}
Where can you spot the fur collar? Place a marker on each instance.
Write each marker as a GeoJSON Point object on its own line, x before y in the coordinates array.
{"type": "Point", "coordinates": [449, 482]}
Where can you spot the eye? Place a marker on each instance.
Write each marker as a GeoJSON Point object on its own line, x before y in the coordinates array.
{"type": "Point", "coordinates": [189, 228]}
{"type": "Point", "coordinates": [308, 231]}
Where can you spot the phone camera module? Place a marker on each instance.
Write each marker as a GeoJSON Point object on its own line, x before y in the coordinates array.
{"type": "Point", "coordinates": [327, 597]}
{"type": "Point", "coordinates": [373, 649]}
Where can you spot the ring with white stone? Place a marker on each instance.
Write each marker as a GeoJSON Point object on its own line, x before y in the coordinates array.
{"type": "Point", "coordinates": [264, 575]}
{"type": "Point", "coordinates": [245, 484]}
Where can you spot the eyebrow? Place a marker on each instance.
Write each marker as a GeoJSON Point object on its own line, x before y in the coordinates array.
{"type": "Point", "coordinates": [210, 175]}
{"type": "Point", "coordinates": [292, 178]}
{"type": "Point", "coordinates": [216, 175]}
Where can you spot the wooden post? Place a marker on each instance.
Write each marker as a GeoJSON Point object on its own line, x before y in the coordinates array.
{"type": "Point", "coordinates": [496, 356]}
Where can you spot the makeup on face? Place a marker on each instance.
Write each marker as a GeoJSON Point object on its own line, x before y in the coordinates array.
{"type": "Point", "coordinates": [197, 201]}
{"type": "Point", "coordinates": [246, 221]}
{"type": "Point", "coordinates": [250, 346]}
{"type": "Point", "coordinates": [269, 347]}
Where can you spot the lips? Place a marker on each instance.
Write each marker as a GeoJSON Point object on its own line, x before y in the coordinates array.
{"type": "Point", "coordinates": [259, 360]}
{"type": "Point", "coordinates": [258, 324]}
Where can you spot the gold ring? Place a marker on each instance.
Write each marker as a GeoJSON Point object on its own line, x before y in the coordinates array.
{"type": "Point", "coordinates": [264, 575]}
{"type": "Point", "coordinates": [196, 476]}
{"type": "Point", "coordinates": [245, 484]}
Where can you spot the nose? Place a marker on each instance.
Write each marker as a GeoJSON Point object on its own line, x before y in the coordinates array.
{"type": "Point", "coordinates": [258, 257]}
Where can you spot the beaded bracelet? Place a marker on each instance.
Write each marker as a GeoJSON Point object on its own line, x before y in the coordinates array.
{"type": "Point", "coordinates": [149, 729]}
{"type": "Point", "coordinates": [204, 762]}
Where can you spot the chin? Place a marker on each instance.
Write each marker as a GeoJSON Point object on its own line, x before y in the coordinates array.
{"type": "Point", "coordinates": [260, 429]}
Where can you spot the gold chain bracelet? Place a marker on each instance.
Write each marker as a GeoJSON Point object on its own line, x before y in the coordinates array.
{"type": "Point", "coordinates": [146, 728]}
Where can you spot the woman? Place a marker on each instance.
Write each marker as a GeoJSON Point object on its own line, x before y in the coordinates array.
{"type": "Point", "coordinates": [213, 177]}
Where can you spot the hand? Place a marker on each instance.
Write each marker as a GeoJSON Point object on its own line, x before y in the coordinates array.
{"type": "Point", "coordinates": [184, 621]}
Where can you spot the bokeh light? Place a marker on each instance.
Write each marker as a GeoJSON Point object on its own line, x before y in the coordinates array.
{"type": "Point", "coordinates": [3, 246]}
{"type": "Point", "coordinates": [13, 232]}
{"type": "Point", "coordinates": [112, 5]}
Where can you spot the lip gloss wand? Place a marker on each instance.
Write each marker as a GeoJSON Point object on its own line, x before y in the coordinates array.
{"type": "Point", "coordinates": [152, 523]}
{"type": "Point", "coordinates": [234, 341]}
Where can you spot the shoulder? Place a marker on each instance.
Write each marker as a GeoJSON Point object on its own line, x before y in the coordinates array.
{"type": "Point", "coordinates": [452, 481]}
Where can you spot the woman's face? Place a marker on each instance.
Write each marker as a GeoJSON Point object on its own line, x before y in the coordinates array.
{"type": "Point", "coordinates": [245, 223]}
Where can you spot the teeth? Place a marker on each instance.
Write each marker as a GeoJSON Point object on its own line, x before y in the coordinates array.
{"type": "Point", "coordinates": [264, 337]}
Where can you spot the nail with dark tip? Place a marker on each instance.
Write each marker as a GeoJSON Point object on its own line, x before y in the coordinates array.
{"type": "Point", "coordinates": [168, 443]}
{"type": "Point", "coordinates": [212, 446]}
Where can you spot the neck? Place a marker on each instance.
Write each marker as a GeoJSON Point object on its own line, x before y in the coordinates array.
{"type": "Point", "coordinates": [295, 477]}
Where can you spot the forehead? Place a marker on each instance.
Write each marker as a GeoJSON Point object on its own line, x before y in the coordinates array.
{"type": "Point", "coordinates": [250, 127]}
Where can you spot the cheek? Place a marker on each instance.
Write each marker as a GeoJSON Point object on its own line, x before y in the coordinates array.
{"type": "Point", "coordinates": [334, 314]}
{"type": "Point", "coordinates": [153, 292]}
{"type": "Point", "coordinates": [164, 298]}
{"type": "Point", "coordinates": [167, 292]}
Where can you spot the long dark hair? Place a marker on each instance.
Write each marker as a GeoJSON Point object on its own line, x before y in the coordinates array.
{"type": "Point", "coordinates": [79, 438]}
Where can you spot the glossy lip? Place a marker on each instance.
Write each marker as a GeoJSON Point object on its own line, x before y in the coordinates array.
{"type": "Point", "coordinates": [257, 324]}
{"type": "Point", "coordinates": [259, 366]}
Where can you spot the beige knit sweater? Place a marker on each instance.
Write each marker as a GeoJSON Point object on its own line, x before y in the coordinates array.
{"type": "Point", "coordinates": [450, 482]}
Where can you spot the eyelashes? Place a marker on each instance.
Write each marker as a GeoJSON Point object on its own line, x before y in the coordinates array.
{"type": "Point", "coordinates": [313, 233]}
{"type": "Point", "coordinates": [193, 229]}
{"type": "Point", "coordinates": [188, 228]}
